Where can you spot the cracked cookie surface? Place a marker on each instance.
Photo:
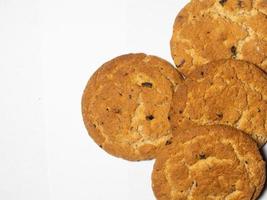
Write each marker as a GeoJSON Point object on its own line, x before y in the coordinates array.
{"type": "Point", "coordinates": [227, 92]}
{"type": "Point", "coordinates": [209, 162]}
{"type": "Point", "coordinates": [208, 30]}
{"type": "Point", "coordinates": [125, 105]}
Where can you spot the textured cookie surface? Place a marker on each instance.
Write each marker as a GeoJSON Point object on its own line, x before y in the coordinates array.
{"type": "Point", "coordinates": [227, 92]}
{"type": "Point", "coordinates": [209, 162]}
{"type": "Point", "coordinates": [125, 105]}
{"type": "Point", "coordinates": [208, 30]}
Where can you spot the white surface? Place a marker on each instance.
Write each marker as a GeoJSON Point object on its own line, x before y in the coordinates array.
{"type": "Point", "coordinates": [48, 50]}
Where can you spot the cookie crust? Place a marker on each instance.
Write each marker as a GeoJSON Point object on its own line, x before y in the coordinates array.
{"type": "Point", "coordinates": [226, 92]}
{"type": "Point", "coordinates": [125, 105]}
{"type": "Point", "coordinates": [210, 30]}
{"type": "Point", "coordinates": [209, 162]}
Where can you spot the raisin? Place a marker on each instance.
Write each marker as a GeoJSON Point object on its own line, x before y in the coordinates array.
{"type": "Point", "coordinates": [149, 117]}
{"type": "Point", "coordinates": [233, 51]}
{"type": "Point", "coordinates": [168, 142]}
{"type": "Point", "coordinates": [219, 115]}
{"type": "Point", "coordinates": [202, 73]}
{"type": "Point", "coordinates": [169, 118]}
{"type": "Point", "coordinates": [202, 156]}
{"type": "Point", "coordinates": [117, 110]}
{"type": "Point", "coordinates": [147, 84]}
{"type": "Point", "coordinates": [130, 96]}
{"type": "Point", "coordinates": [181, 63]}
{"type": "Point", "coordinates": [232, 188]}
{"type": "Point", "coordinates": [222, 2]}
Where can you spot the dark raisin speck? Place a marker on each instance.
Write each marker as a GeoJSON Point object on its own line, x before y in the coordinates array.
{"type": "Point", "coordinates": [232, 188]}
{"type": "Point", "coordinates": [147, 84]}
{"type": "Point", "coordinates": [259, 110]}
{"type": "Point", "coordinates": [130, 96]}
{"type": "Point", "coordinates": [219, 115]}
{"type": "Point", "coordinates": [117, 110]}
{"type": "Point", "coordinates": [202, 156]}
{"type": "Point", "coordinates": [100, 146]}
{"type": "Point", "coordinates": [94, 125]}
{"type": "Point", "coordinates": [168, 142]}
{"type": "Point", "coordinates": [233, 51]}
{"type": "Point", "coordinates": [202, 73]}
{"type": "Point", "coordinates": [180, 64]}
{"type": "Point", "coordinates": [149, 117]}
{"type": "Point", "coordinates": [169, 118]}
{"type": "Point", "coordinates": [180, 111]}
{"type": "Point", "coordinates": [222, 2]}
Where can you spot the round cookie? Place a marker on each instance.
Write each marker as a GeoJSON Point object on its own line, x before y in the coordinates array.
{"type": "Point", "coordinates": [126, 103]}
{"type": "Point", "coordinates": [209, 162]}
{"type": "Point", "coordinates": [226, 92]}
{"type": "Point", "coordinates": [211, 30]}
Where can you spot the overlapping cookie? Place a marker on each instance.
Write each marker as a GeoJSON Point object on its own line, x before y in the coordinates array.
{"type": "Point", "coordinates": [208, 30]}
{"type": "Point", "coordinates": [227, 92]}
{"type": "Point", "coordinates": [126, 103]}
{"type": "Point", "coordinates": [209, 162]}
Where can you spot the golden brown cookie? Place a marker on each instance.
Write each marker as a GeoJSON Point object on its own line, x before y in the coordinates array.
{"type": "Point", "coordinates": [125, 105]}
{"type": "Point", "coordinates": [209, 162]}
{"type": "Point", "coordinates": [228, 92]}
{"type": "Point", "coordinates": [208, 30]}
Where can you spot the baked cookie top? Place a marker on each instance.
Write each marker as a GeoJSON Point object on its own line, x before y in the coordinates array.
{"type": "Point", "coordinates": [208, 30]}
{"type": "Point", "coordinates": [209, 162]}
{"type": "Point", "coordinates": [228, 92]}
{"type": "Point", "coordinates": [125, 105]}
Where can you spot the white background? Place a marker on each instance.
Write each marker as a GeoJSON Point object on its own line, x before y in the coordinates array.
{"type": "Point", "coordinates": [48, 50]}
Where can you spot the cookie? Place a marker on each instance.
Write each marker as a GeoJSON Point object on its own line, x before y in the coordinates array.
{"type": "Point", "coordinates": [209, 162]}
{"type": "Point", "coordinates": [211, 30]}
{"type": "Point", "coordinates": [125, 105]}
{"type": "Point", "coordinates": [227, 92]}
